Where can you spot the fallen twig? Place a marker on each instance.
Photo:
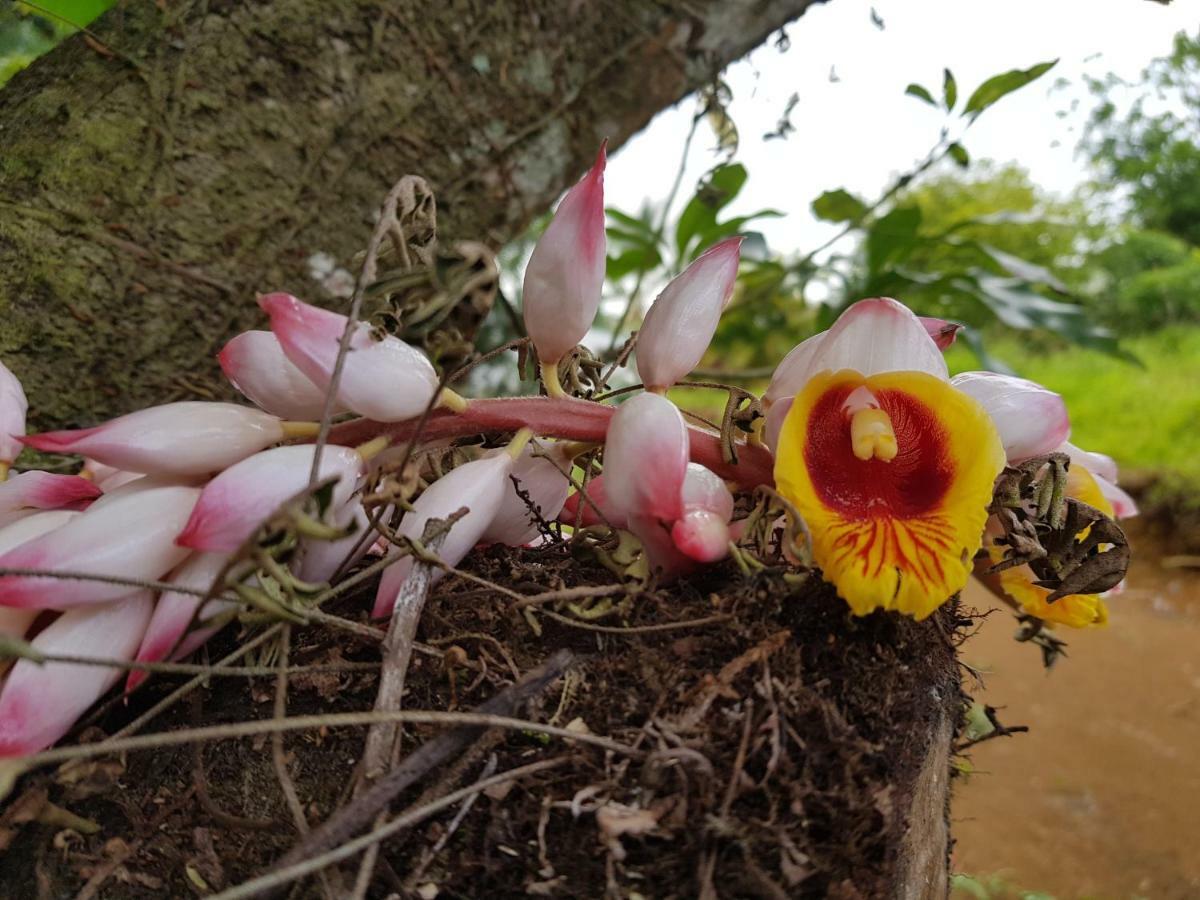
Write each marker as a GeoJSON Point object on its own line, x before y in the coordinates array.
{"type": "Point", "coordinates": [355, 816]}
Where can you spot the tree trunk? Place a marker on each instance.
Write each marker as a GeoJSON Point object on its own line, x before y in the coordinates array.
{"type": "Point", "coordinates": [155, 176]}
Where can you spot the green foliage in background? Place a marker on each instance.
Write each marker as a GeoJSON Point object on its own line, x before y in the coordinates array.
{"type": "Point", "coordinates": [990, 887]}
{"type": "Point", "coordinates": [27, 30]}
{"type": "Point", "coordinates": [1153, 151]}
{"type": "Point", "coordinates": [1144, 416]}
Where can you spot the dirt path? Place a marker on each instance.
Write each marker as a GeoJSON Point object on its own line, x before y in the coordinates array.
{"type": "Point", "coordinates": [1102, 797]}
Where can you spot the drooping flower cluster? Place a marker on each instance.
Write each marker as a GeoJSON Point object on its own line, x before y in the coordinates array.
{"type": "Point", "coordinates": [888, 462]}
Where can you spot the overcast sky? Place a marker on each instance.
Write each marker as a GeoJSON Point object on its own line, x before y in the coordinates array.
{"type": "Point", "coordinates": [859, 131]}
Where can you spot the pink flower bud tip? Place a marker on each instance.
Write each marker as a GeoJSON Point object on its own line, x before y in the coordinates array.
{"type": "Point", "coordinates": [702, 532]}
{"type": "Point", "coordinates": [129, 535]}
{"type": "Point", "coordinates": [256, 365]}
{"type": "Point", "coordinates": [480, 486]}
{"type": "Point", "coordinates": [565, 275]}
{"type": "Point", "coordinates": [180, 439]}
{"type": "Point", "coordinates": [943, 333]}
{"type": "Point", "coordinates": [702, 535]}
{"type": "Point", "coordinates": [40, 703]}
{"type": "Point", "coordinates": [167, 635]}
{"type": "Point", "coordinates": [241, 498]}
{"type": "Point", "coordinates": [385, 380]}
{"type": "Point", "coordinates": [539, 474]}
{"type": "Point", "coordinates": [683, 319]}
{"type": "Point", "coordinates": [24, 494]}
{"type": "Point", "coordinates": [646, 457]}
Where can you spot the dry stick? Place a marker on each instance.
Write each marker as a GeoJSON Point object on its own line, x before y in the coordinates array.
{"type": "Point", "coordinates": [637, 629]}
{"type": "Point", "coordinates": [12, 768]}
{"type": "Point", "coordinates": [272, 881]}
{"type": "Point", "coordinates": [217, 671]}
{"type": "Point", "coordinates": [366, 275]}
{"type": "Point", "coordinates": [356, 815]}
{"type": "Point", "coordinates": [279, 760]}
{"type": "Point", "coordinates": [382, 744]}
{"type": "Point", "coordinates": [431, 854]}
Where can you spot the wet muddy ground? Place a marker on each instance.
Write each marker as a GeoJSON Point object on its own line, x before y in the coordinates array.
{"type": "Point", "coordinates": [1102, 797]}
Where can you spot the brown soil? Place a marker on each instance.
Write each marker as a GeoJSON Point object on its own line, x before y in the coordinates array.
{"type": "Point", "coordinates": [1102, 797]}
{"type": "Point", "coordinates": [787, 740]}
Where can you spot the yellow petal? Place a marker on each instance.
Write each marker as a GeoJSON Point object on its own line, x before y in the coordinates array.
{"type": "Point", "coordinates": [1075, 610]}
{"type": "Point", "coordinates": [897, 533]}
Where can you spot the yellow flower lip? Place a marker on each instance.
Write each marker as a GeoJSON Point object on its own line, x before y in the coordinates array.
{"type": "Point", "coordinates": [893, 474]}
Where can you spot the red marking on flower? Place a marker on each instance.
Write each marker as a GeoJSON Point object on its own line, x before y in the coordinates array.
{"type": "Point", "coordinates": [58, 441]}
{"type": "Point", "coordinates": [908, 487]}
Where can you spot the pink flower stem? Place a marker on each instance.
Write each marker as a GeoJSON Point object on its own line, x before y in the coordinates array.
{"type": "Point", "coordinates": [566, 417]}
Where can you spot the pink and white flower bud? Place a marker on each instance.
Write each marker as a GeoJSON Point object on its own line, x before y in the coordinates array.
{"type": "Point", "coordinates": [1099, 464]}
{"type": "Point", "coordinates": [26, 493]}
{"type": "Point", "coordinates": [664, 557]}
{"type": "Point", "coordinates": [131, 536]}
{"type": "Point", "coordinates": [13, 407]}
{"type": "Point", "coordinates": [1103, 469]}
{"type": "Point", "coordinates": [702, 532]}
{"type": "Point", "coordinates": [192, 437]}
{"type": "Point", "coordinates": [385, 380]}
{"type": "Point", "coordinates": [683, 319]}
{"type": "Point", "coordinates": [241, 498]}
{"type": "Point", "coordinates": [943, 333]}
{"type": "Point", "coordinates": [15, 622]}
{"type": "Point", "coordinates": [1124, 506]}
{"type": "Point", "coordinates": [320, 560]}
{"type": "Point", "coordinates": [479, 485]}
{"type": "Point", "coordinates": [256, 365]}
{"type": "Point", "coordinates": [597, 508]}
{"type": "Point", "coordinates": [701, 535]}
{"type": "Point", "coordinates": [704, 489]}
{"type": "Point", "coordinates": [1031, 420]}
{"type": "Point", "coordinates": [167, 636]}
{"type": "Point", "coordinates": [565, 275]}
{"type": "Point", "coordinates": [646, 457]}
{"type": "Point", "coordinates": [541, 478]}
{"type": "Point", "coordinates": [40, 703]}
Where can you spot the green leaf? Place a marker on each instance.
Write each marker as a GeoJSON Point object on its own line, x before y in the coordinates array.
{"type": "Point", "coordinates": [921, 93]}
{"type": "Point", "coordinates": [1005, 83]}
{"type": "Point", "coordinates": [631, 223]}
{"type": "Point", "coordinates": [1024, 269]}
{"type": "Point", "coordinates": [973, 339]}
{"type": "Point", "coordinates": [1018, 306]}
{"type": "Point", "coordinates": [715, 192]}
{"type": "Point", "coordinates": [636, 259]}
{"type": "Point", "coordinates": [729, 228]}
{"type": "Point", "coordinates": [959, 154]}
{"type": "Point", "coordinates": [949, 89]}
{"type": "Point", "coordinates": [891, 239]}
{"type": "Point", "coordinates": [838, 206]}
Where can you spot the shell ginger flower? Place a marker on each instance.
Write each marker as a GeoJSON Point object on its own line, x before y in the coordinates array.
{"type": "Point", "coordinates": [890, 466]}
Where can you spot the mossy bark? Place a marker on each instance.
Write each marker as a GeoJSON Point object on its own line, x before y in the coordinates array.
{"type": "Point", "coordinates": [157, 175]}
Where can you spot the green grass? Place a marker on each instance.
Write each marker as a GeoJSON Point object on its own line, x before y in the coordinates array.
{"type": "Point", "coordinates": [1146, 418]}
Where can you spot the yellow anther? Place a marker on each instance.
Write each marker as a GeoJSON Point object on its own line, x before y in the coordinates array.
{"type": "Point", "coordinates": [872, 435]}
